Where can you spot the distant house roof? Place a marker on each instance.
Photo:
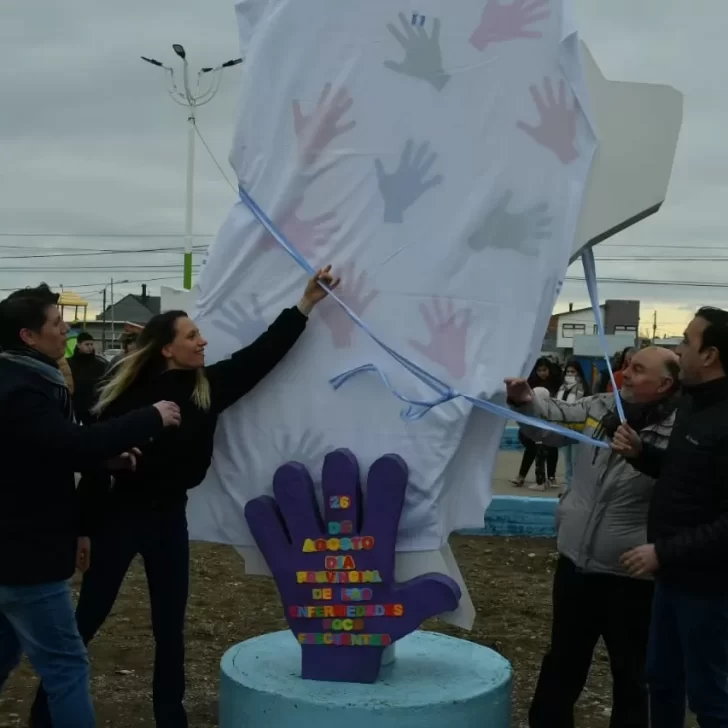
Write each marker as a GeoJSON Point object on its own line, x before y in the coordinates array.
{"type": "Point", "coordinates": [133, 308]}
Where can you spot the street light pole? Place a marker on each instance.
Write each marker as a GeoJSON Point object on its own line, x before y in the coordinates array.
{"type": "Point", "coordinates": [202, 94]}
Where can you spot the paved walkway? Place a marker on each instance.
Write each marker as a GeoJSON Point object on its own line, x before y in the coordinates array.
{"type": "Point", "coordinates": [507, 468]}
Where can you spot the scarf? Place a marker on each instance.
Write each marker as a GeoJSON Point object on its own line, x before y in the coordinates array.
{"type": "Point", "coordinates": [46, 369]}
{"type": "Point", "coordinates": [638, 416]}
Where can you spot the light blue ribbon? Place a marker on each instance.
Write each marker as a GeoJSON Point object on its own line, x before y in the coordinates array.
{"type": "Point", "coordinates": [590, 273]}
{"type": "Point", "coordinates": [416, 409]}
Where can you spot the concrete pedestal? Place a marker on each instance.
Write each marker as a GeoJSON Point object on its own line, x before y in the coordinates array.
{"type": "Point", "coordinates": [435, 682]}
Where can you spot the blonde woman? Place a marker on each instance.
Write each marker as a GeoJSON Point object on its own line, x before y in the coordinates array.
{"type": "Point", "coordinates": [144, 513]}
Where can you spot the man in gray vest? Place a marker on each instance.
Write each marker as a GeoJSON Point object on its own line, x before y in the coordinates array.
{"type": "Point", "coordinates": [602, 516]}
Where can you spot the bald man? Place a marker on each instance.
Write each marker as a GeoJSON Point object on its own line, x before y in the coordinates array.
{"type": "Point", "coordinates": [603, 515]}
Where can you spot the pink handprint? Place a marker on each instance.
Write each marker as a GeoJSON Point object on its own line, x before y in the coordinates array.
{"type": "Point", "coordinates": [448, 330]}
{"type": "Point", "coordinates": [557, 130]}
{"type": "Point", "coordinates": [307, 236]}
{"type": "Point", "coordinates": [354, 296]}
{"type": "Point", "coordinates": [317, 130]}
{"type": "Point", "coordinates": [507, 22]}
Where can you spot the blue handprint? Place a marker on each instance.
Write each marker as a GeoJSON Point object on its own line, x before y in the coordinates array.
{"type": "Point", "coordinates": [402, 188]}
{"type": "Point", "coordinates": [241, 326]}
{"type": "Point", "coordinates": [336, 576]}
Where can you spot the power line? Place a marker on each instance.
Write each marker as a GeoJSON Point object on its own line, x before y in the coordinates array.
{"type": "Point", "coordinates": [635, 281]}
{"type": "Point", "coordinates": [214, 159]}
{"type": "Point", "coordinates": [106, 283]}
{"type": "Point", "coordinates": [164, 251]}
{"type": "Point", "coordinates": [78, 268]}
{"type": "Point", "coordinates": [103, 235]}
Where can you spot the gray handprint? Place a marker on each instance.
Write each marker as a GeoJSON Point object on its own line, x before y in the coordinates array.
{"type": "Point", "coordinates": [402, 188]}
{"type": "Point", "coordinates": [423, 57]}
{"type": "Point", "coordinates": [238, 324]}
{"type": "Point", "coordinates": [309, 450]}
{"type": "Point", "coordinates": [519, 231]}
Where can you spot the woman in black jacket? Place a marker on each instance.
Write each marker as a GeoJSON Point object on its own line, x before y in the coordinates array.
{"type": "Point", "coordinates": [144, 512]}
{"type": "Point", "coordinates": [545, 375]}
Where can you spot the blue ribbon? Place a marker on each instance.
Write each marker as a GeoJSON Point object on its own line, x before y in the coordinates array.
{"type": "Point", "coordinates": [590, 273]}
{"type": "Point", "coordinates": [416, 409]}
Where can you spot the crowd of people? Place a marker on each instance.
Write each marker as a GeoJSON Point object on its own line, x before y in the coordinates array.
{"type": "Point", "coordinates": [569, 384]}
{"type": "Point", "coordinates": [146, 441]}
{"type": "Point", "coordinates": [642, 536]}
{"type": "Point", "coordinates": [642, 526]}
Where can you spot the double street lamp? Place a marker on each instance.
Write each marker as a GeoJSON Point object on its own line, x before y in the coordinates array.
{"type": "Point", "coordinates": [207, 85]}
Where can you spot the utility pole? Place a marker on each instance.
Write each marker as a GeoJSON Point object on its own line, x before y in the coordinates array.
{"type": "Point", "coordinates": [654, 327]}
{"type": "Point", "coordinates": [192, 100]}
{"type": "Point", "coordinates": [113, 313]}
{"type": "Point", "coordinates": [103, 322]}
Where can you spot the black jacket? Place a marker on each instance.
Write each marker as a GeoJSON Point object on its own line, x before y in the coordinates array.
{"type": "Point", "coordinates": [88, 370]}
{"type": "Point", "coordinates": [178, 459]}
{"type": "Point", "coordinates": [688, 516]}
{"type": "Point", "coordinates": [40, 451]}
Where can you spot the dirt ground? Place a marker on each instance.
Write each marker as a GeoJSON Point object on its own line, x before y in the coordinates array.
{"type": "Point", "coordinates": [509, 580]}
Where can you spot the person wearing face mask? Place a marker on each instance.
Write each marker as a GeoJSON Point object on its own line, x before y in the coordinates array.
{"type": "Point", "coordinates": [572, 390]}
{"type": "Point", "coordinates": [145, 511]}
{"type": "Point", "coordinates": [603, 515]}
{"type": "Point", "coordinates": [542, 376]}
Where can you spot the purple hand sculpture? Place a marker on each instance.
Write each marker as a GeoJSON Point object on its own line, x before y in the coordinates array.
{"type": "Point", "coordinates": [306, 235]}
{"type": "Point", "coordinates": [336, 576]}
{"type": "Point", "coordinates": [557, 130]}
{"type": "Point", "coordinates": [501, 22]}
{"type": "Point", "coordinates": [448, 336]}
{"type": "Point", "coordinates": [317, 130]}
{"type": "Point", "coordinates": [356, 298]}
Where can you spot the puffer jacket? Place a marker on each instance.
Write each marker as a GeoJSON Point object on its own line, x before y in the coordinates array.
{"type": "Point", "coordinates": [605, 511]}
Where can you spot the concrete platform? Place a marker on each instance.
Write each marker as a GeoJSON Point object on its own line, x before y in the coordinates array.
{"type": "Point", "coordinates": [436, 681]}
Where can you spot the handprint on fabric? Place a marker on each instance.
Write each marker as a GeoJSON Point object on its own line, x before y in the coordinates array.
{"type": "Point", "coordinates": [357, 296]}
{"type": "Point", "coordinates": [423, 57]}
{"type": "Point", "coordinates": [403, 187]}
{"type": "Point", "coordinates": [335, 574]}
{"type": "Point", "coordinates": [502, 22]}
{"type": "Point", "coordinates": [448, 330]}
{"type": "Point", "coordinates": [518, 231]}
{"type": "Point", "coordinates": [309, 449]}
{"type": "Point", "coordinates": [243, 326]}
{"type": "Point", "coordinates": [307, 236]}
{"type": "Point", "coordinates": [558, 126]}
{"type": "Point", "coordinates": [318, 129]}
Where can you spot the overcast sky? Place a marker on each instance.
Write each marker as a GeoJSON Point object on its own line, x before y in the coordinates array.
{"type": "Point", "coordinates": [90, 144]}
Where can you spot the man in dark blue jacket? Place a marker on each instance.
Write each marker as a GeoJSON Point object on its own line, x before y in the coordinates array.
{"type": "Point", "coordinates": [41, 448]}
{"type": "Point", "coordinates": [687, 534]}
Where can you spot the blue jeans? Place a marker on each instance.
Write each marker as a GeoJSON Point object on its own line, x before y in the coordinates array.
{"type": "Point", "coordinates": [688, 656]}
{"type": "Point", "coordinates": [39, 620]}
{"type": "Point", "coordinates": [162, 540]}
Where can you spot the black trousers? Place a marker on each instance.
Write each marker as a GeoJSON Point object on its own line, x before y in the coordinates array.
{"type": "Point", "coordinates": [586, 607]}
{"type": "Point", "coordinates": [547, 460]}
{"type": "Point", "coordinates": [530, 449]}
{"type": "Point", "coordinates": [161, 538]}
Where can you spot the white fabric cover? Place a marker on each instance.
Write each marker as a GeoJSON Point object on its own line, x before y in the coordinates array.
{"type": "Point", "coordinates": [442, 176]}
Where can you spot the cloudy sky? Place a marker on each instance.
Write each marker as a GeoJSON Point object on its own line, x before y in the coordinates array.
{"type": "Point", "coordinates": [92, 151]}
